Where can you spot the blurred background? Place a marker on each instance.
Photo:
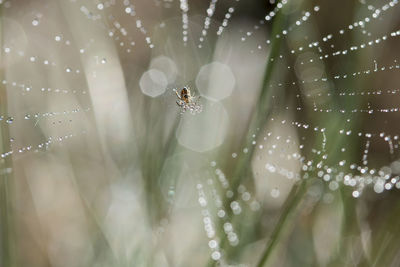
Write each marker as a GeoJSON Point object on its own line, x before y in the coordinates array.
{"type": "Point", "coordinates": [293, 159]}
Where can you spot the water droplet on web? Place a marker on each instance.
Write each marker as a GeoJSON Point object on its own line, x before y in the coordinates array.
{"type": "Point", "coordinates": [171, 191]}
{"type": "Point", "coordinates": [35, 22]}
{"type": "Point", "coordinates": [275, 193]}
{"type": "Point", "coordinates": [212, 244]}
{"type": "Point", "coordinates": [356, 194]}
{"type": "Point", "coordinates": [216, 255]}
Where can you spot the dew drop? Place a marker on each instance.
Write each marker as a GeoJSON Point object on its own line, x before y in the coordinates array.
{"type": "Point", "coordinates": [10, 120]}
{"type": "Point", "coordinates": [275, 192]}
{"type": "Point", "coordinates": [216, 255]}
{"type": "Point", "coordinates": [35, 22]}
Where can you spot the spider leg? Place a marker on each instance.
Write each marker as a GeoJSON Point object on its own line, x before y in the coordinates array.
{"type": "Point", "coordinates": [177, 94]}
{"type": "Point", "coordinates": [180, 103]}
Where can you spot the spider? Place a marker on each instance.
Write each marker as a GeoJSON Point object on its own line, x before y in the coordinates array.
{"type": "Point", "coordinates": [188, 101]}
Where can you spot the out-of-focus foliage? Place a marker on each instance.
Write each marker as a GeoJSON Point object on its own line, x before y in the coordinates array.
{"type": "Point", "coordinates": [291, 158]}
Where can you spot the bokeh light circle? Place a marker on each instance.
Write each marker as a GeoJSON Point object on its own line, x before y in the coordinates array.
{"type": "Point", "coordinates": [206, 130]}
{"type": "Point", "coordinates": [153, 83]}
{"type": "Point", "coordinates": [165, 65]}
{"type": "Point", "coordinates": [215, 80]}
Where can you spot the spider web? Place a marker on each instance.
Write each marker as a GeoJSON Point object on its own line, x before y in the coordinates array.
{"type": "Point", "coordinates": [300, 92]}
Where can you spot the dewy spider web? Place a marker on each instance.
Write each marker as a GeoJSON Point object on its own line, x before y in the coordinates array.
{"type": "Point", "coordinates": [329, 104]}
